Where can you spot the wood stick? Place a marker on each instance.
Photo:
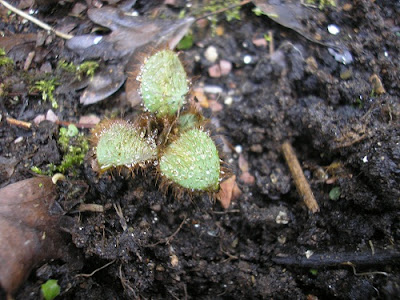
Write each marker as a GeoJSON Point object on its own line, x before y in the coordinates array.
{"type": "Point", "coordinates": [18, 123]}
{"type": "Point", "coordinates": [36, 21]}
{"type": "Point", "coordinates": [300, 180]}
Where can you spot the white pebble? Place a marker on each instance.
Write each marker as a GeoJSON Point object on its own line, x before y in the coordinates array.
{"type": "Point", "coordinates": [333, 29]}
{"type": "Point", "coordinates": [238, 149]}
{"type": "Point", "coordinates": [228, 100]}
{"type": "Point", "coordinates": [211, 54]}
{"type": "Point", "coordinates": [247, 59]}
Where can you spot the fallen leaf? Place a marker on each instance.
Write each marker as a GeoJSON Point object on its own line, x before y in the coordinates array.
{"type": "Point", "coordinates": [201, 97]}
{"type": "Point", "coordinates": [103, 84]}
{"type": "Point", "coordinates": [295, 15]}
{"type": "Point", "coordinates": [229, 191]}
{"type": "Point", "coordinates": [28, 229]}
{"type": "Point", "coordinates": [128, 33]}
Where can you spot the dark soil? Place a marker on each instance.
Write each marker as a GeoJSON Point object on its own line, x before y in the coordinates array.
{"type": "Point", "coordinates": [344, 132]}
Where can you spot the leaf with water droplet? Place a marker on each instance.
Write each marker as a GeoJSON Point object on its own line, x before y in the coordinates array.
{"type": "Point", "coordinates": [163, 83]}
{"type": "Point", "coordinates": [176, 163]}
{"type": "Point", "coordinates": [121, 143]}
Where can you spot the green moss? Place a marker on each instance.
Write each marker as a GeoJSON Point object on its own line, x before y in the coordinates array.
{"type": "Point", "coordinates": [163, 83]}
{"type": "Point", "coordinates": [47, 88]}
{"type": "Point", "coordinates": [192, 161]}
{"type": "Point", "coordinates": [4, 60]}
{"type": "Point", "coordinates": [120, 143]}
{"type": "Point", "coordinates": [74, 146]}
{"type": "Point", "coordinates": [86, 69]}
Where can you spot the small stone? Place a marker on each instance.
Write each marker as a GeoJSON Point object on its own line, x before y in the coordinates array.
{"type": "Point", "coordinates": [333, 29]}
{"type": "Point", "coordinates": [214, 71]}
{"type": "Point", "coordinates": [89, 119]}
{"type": "Point", "coordinates": [174, 260]}
{"type": "Point", "coordinates": [51, 116]}
{"type": "Point", "coordinates": [247, 178]}
{"type": "Point", "coordinates": [211, 54]}
{"type": "Point", "coordinates": [225, 67]}
{"type": "Point", "coordinates": [39, 118]}
{"type": "Point", "coordinates": [257, 148]}
{"type": "Point", "coordinates": [261, 42]}
{"type": "Point", "coordinates": [228, 101]}
{"type": "Point", "coordinates": [215, 106]}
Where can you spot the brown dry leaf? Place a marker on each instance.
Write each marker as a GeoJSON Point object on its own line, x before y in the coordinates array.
{"type": "Point", "coordinates": [28, 229]}
{"type": "Point", "coordinates": [229, 191]}
{"type": "Point", "coordinates": [201, 97]}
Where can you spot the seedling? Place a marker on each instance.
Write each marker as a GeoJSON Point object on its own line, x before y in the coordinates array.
{"type": "Point", "coordinates": [50, 289]}
{"type": "Point", "coordinates": [169, 136]}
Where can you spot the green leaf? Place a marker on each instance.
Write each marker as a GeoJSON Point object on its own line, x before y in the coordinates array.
{"type": "Point", "coordinates": [334, 194]}
{"type": "Point", "coordinates": [164, 83]}
{"type": "Point", "coordinates": [50, 289]}
{"type": "Point", "coordinates": [192, 161]}
{"type": "Point", "coordinates": [120, 143]}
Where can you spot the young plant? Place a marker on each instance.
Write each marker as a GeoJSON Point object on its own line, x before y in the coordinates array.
{"type": "Point", "coordinates": [186, 156]}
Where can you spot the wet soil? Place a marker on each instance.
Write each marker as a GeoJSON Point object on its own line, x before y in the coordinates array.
{"type": "Point", "coordinates": [267, 244]}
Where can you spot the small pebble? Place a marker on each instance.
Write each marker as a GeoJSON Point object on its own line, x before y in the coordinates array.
{"type": "Point", "coordinates": [333, 29]}
{"type": "Point", "coordinates": [18, 140]}
{"type": "Point", "coordinates": [225, 66]}
{"type": "Point", "coordinates": [51, 116]}
{"type": "Point", "coordinates": [228, 101]}
{"type": "Point", "coordinates": [214, 71]}
{"type": "Point", "coordinates": [261, 42]}
{"type": "Point", "coordinates": [213, 89]}
{"type": "Point", "coordinates": [211, 54]}
{"type": "Point", "coordinates": [238, 149]}
{"type": "Point", "coordinates": [247, 59]}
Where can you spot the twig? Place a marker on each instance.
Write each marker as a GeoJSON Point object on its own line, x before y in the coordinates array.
{"type": "Point", "coordinates": [91, 207]}
{"type": "Point", "coordinates": [347, 263]}
{"type": "Point", "coordinates": [120, 214]}
{"type": "Point", "coordinates": [36, 21]}
{"type": "Point", "coordinates": [18, 123]}
{"type": "Point", "coordinates": [95, 271]}
{"type": "Point", "coordinates": [167, 240]}
{"type": "Point", "coordinates": [299, 179]}
{"type": "Point", "coordinates": [333, 258]}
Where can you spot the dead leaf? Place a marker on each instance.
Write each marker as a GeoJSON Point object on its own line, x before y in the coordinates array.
{"type": "Point", "coordinates": [229, 191]}
{"type": "Point", "coordinates": [128, 33]}
{"type": "Point", "coordinates": [103, 84]}
{"type": "Point", "coordinates": [295, 15]}
{"type": "Point", "coordinates": [28, 229]}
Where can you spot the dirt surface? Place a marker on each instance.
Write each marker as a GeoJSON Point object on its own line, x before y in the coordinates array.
{"type": "Point", "coordinates": [267, 244]}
